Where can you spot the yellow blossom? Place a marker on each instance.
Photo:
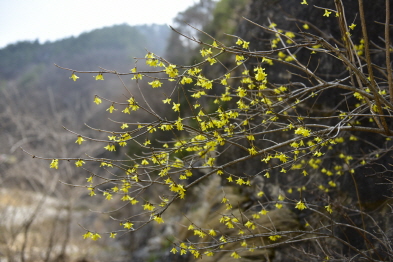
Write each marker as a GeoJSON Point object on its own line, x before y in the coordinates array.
{"type": "Point", "coordinates": [272, 25]}
{"type": "Point", "coordinates": [54, 164]}
{"type": "Point", "coordinates": [212, 232]}
{"type": "Point", "coordinates": [87, 235]}
{"type": "Point", "coordinates": [79, 140]}
{"type": "Point", "coordinates": [136, 77]}
{"type": "Point", "coordinates": [110, 147]}
{"type": "Point", "coordinates": [300, 205]}
{"type": "Point", "coordinates": [263, 212]}
{"type": "Point", "coordinates": [95, 236]}
{"type": "Point", "coordinates": [176, 107]}
{"type": "Point", "coordinates": [274, 238]}
{"type": "Point", "coordinates": [171, 71]}
{"type": "Point", "coordinates": [158, 219]}
{"type": "Point", "coordinates": [128, 225]}
{"type": "Point", "coordinates": [155, 83]}
{"type": "Point", "coordinates": [107, 195]}
{"type": "Point", "coordinates": [235, 255]}
{"type": "Point", "coordinates": [99, 77]}
{"type": "Point", "coordinates": [79, 163]}
{"type": "Point", "coordinates": [240, 181]}
{"type": "Point", "coordinates": [111, 109]}
{"type": "Point", "coordinates": [148, 206]}
{"type": "Point", "coordinates": [327, 13]}
{"type": "Point", "coordinates": [329, 208]}
{"type": "Point", "coordinates": [97, 100]}
{"type": "Point", "coordinates": [74, 77]}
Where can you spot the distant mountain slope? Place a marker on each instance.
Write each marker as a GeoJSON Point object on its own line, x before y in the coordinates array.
{"type": "Point", "coordinates": [109, 46]}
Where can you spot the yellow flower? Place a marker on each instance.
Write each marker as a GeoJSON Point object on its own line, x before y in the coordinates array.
{"type": "Point", "coordinates": [111, 109]}
{"type": "Point", "coordinates": [158, 219]}
{"type": "Point", "coordinates": [128, 225]}
{"type": "Point", "coordinates": [97, 100]}
{"type": "Point", "coordinates": [79, 140]}
{"type": "Point", "coordinates": [54, 164]}
{"type": "Point", "coordinates": [212, 232]}
{"type": "Point", "coordinates": [302, 131]}
{"type": "Point", "coordinates": [352, 26]}
{"type": "Point", "coordinates": [186, 80]}
{"type": "Point", "coordinates": [300, 205]}
{"type": "Point", "coordinates": [155, 84]}
{"type": "Point", "coordinates": [240, 181]}
{"type": "Point", "coordinates": [252, 151]}
{"type": "Point", "coordinates": [329, 208]}
{"type": "Point", "coordinates": [304, 2]}
{"type": "Point", "coordinates": [272, 25]}
{"type": "Point", "coordinates": [79, 163]}
{"type": "Point", "coordinates": [235, 255]}
{"type": "Point", "coordinates": [166, 101]}
{"type": "Point", "coordinates": [263, 212]}
{"type": "Point", "coordinates": [148, 206]}
{"type": "Point", "coordinates": [171, 71]}
{"type": "Point", "coordinates": [112, 235]}
{"type": "Point", "coordinates": [87, 235]}
{"type": "Point", "coordinates": [274, 238]}
{"type": "Point", "coordinates": [327, 13]}
{"type": "Point", "coordinates": [107, 195]}
{"type": "Point", "coordinates": [245, 44]}
{"type": "Point", "coordinates": [305, 26]}
{"type": "Point", "coordinates": [95, 236]}
{"type": "Point", "coordinates": [99, 77]}
{"type": "Point", "coordinates": [74, 77]}
{"type": "Point", "coordinates": [250, 224]}
{"type": "Point", "coordinates": [212, 61]}
{"type": "Point", "coordinates": [204, 52]}
{"type": "Point", "coordinates": [136, 77]}
{"type": "Point", "coordinates": [176, 107]}
{"type": "Point", "coordinates": [110, 147]}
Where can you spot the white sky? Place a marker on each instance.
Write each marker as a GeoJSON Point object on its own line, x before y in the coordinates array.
{"type": "Point", "coordinates": [55, 19]}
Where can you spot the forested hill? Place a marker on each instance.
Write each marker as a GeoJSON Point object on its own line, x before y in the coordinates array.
{"type": "Point", "coordinates": [108, 47]}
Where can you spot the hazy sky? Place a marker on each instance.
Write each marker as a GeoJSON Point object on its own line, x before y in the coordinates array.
{"type": "Point", "coordinates": [55, 19]}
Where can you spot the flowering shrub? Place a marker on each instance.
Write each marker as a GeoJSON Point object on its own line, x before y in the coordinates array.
{"type": "Point", "coordinates": [298, 147]}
